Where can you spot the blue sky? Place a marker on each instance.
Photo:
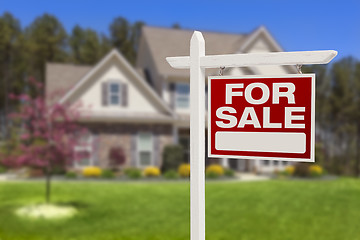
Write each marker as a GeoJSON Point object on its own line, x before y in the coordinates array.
{"type": "Point", "coordinates": [296, 25]}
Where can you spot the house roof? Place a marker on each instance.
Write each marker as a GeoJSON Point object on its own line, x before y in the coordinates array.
{"type": "Point", "coordinates": [62, 77]}
{"type": "Point", "coordinates": [166, 42]}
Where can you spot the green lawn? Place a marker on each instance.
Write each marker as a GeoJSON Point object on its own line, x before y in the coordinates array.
{"type": "Point", "coordinates": [254, 210]}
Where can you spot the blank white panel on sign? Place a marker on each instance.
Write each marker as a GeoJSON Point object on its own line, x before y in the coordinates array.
{"type": "Point", "coordinates": [261, 142]}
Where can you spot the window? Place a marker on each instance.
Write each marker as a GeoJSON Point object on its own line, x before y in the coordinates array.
{"type": "Point", "coordinates": [182, 91]}
{"type": "Point", "coordinates": [145, 148]}
{"type": "Point", "coordinates": [114, 93]}
{"type": "Point", "coordinates": [83, 152]}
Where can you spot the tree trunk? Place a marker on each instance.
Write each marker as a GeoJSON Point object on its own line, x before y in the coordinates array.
{"type": "Point", "coordinates": [357, 161]}
{"type": "Point", "coordinates": [48, 186]}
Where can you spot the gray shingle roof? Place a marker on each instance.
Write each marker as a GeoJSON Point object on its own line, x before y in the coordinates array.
{"type": "Point", "coordinates": [166, 42]}
{"type": "Point", "coordinates": [61, 77]}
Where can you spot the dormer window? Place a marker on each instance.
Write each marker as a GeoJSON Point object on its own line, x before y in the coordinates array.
{"type": "Point", "coordinates": [114, 93]}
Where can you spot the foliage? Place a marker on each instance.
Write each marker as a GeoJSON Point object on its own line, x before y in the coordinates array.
{"type": "Point", "coordinates": [71, 174]}
{"type": "Point", "coordinates": [47, 137]}
{"type": "Point", "coordinates": [184, 170]}
{"type": "Point", "coordinates": [91, 171]}
{"type": "Point", "coordinates": [116, 156]}
{"type": "Point", "coordinates": [214, 171]}
{"type": "Point", "coordinates": [2, 169]}
{"type": "Point", "coordinates": [315, 170]}
{"type": "Point", "coordinates": [171, 174]}
{"type": "Point", "coordinates": [289, 170]}
{"type": "Point", "coordinates": [301, 169]}
{"type": "Point", "coordinates": [107, 173]}
{"type": "Point", "coordinates": [152, 171]}
{"type": "Point", "coordinates": [229, 172]}
{"type": "Point", "coordinates": [173, 156]}
{"type": "Point", "coordinates": [133, 173]}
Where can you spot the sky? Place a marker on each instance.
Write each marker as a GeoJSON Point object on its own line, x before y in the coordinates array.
{"type": "Point", "coordinates": [296, 25]}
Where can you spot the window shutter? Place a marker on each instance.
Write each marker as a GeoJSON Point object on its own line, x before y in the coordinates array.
{"type": "Point", "coordinates": [133, 158]}
{"type": "Point", "coordinates": [172, 95]}
{"type": "Point", "coordinates": [104, 94]}
{"type": "Point", "coordinates": [124, 94]}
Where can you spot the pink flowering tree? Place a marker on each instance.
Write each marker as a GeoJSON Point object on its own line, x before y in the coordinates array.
{"type": "Point", "coordinates": [48, 133]}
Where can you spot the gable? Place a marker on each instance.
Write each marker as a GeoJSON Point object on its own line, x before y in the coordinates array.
{"type": "Point", "coordinates": [88, 92]}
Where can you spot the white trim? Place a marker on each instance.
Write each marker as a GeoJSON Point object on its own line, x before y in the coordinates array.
{"type": "Point", "coordinates": [115, 53]}
{"type": "Point", "coordinates": [312, 132]}
{"type": "Point", "coordinates": [138, 151]}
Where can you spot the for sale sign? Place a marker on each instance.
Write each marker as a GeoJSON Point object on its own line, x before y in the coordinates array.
{"type": "Point", "coordinates": [262, 117]}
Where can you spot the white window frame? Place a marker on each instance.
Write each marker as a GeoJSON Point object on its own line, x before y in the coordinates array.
{"type": "Point", "coordinates": [118, 94]}
{"type": "Point", "coordinates": [138, 151]}
{"type": "Point", "coordinates": [82, 148]}
{"type": "Point", "coordinates": [181, 95]}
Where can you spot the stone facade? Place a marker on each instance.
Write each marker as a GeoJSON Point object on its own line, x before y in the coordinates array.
{"type": "Point", "coordinates": [124, 135]}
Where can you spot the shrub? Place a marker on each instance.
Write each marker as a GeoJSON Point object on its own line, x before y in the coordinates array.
{"type": "Point", "coordinates": [152, 172]}
{"type": "Point", "coordinates": [171, 174]}
{"type": "Point", "coordinates": [173, 156]}
{"type": "Point", "coordinates": [301, 170]}
{"type": "Point", "coordinates": [184, 170]}
{"type": "Point", "coordinates": [289, 170]}
{"type": "Point", "coordinates": [315, 170]}
{"type": "Point", "coordinates": [107, 173]}
{"type": "Point", "coordinates": [91, 171]}
{"type": "Point", "coordinates": [2, 169]}
{"type": "Point", "coordinates": [133, 173]}
{"type": "Point", "coordinates": [116, 157]}
{"type": "Point", "coordinates": [70, 174]}
{"type": "Point", "coordinates": [214, 171]}
{"type": "Point", "coordinates": [229, 172]}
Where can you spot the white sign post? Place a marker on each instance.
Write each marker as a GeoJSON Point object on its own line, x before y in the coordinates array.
{"type": "Point", "coordinates": [197, 62]}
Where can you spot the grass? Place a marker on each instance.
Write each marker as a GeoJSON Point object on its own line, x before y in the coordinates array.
{"type": "Point", "coordinates": [153, 211]}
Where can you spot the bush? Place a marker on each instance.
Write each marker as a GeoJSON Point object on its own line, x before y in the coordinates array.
{"type": "Point", "coordinates": [214, 171]}
{"type": "Point", "coordinates": [229, 172]}
{"type": "Point", "coordinates": [173, 156]}
{"type": "Point", "coordinates": [91, 171]}
{"type": "Point", "coordinates": [171, 174]}
{"type": "Point", "coordinates": [70, 174]}
{"type": "Point", "coordinates": [184, 170]}
{"type": "Point", "coordinates": [116, 157]}
{"type": "Point", "coordinates": [302, 170]}
{"type": "Point", "coordinates": [2, 169]}
{"type": "Point", "coordinates": [133, 173]}
{"type": "Point", "coordinates": [152, 172]}
{"type": "Point", "coordinates": [315, 170]}
{"type": "Point", "coordinates": [107, 173]}
{"type": "Point", "coordinates": [289, 170]}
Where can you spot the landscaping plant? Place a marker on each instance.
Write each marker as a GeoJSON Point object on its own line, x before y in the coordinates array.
{"type": "Point", "coordinates": [214, 171]}
{"type": "Point", "coordinates": [91, 171]}
{"type": "Point", "coordinates": [184, 170]}
{"type": "Point", "coordinates": [152, 172]}
{"type": "Point", "coordinates": [48, 134]}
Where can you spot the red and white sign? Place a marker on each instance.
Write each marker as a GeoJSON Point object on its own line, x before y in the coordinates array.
{"type": "Point", "coordinates": [262, 117]}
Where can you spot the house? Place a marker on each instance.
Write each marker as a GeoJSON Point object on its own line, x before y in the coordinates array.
{"type": "Point", "coordinates": [146, 107]}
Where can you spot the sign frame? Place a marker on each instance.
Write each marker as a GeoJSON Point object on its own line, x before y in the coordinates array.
{"type": "Point", "coordinates": [312, 125]}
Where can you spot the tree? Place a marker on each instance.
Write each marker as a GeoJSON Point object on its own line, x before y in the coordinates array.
{"type": "Point", "coordinates": [125, 37]}
{"type": "Point", "coordinates": [12, 64]}
{"type": "Point", "coordinates": [48, 135]}
{"type": "Point", "coordinates": [46, 42]}
{"type": "Point", "coordinates": [86, 46]}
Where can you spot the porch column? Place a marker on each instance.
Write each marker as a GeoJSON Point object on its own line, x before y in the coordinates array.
{"type": "Point", "coordinates": [225, 162]}
{"type": "Point", "coordinates": [175, 133]}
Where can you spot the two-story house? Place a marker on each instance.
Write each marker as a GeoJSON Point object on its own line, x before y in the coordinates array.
{"type": "Point", "coordinates": [145, 107]}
